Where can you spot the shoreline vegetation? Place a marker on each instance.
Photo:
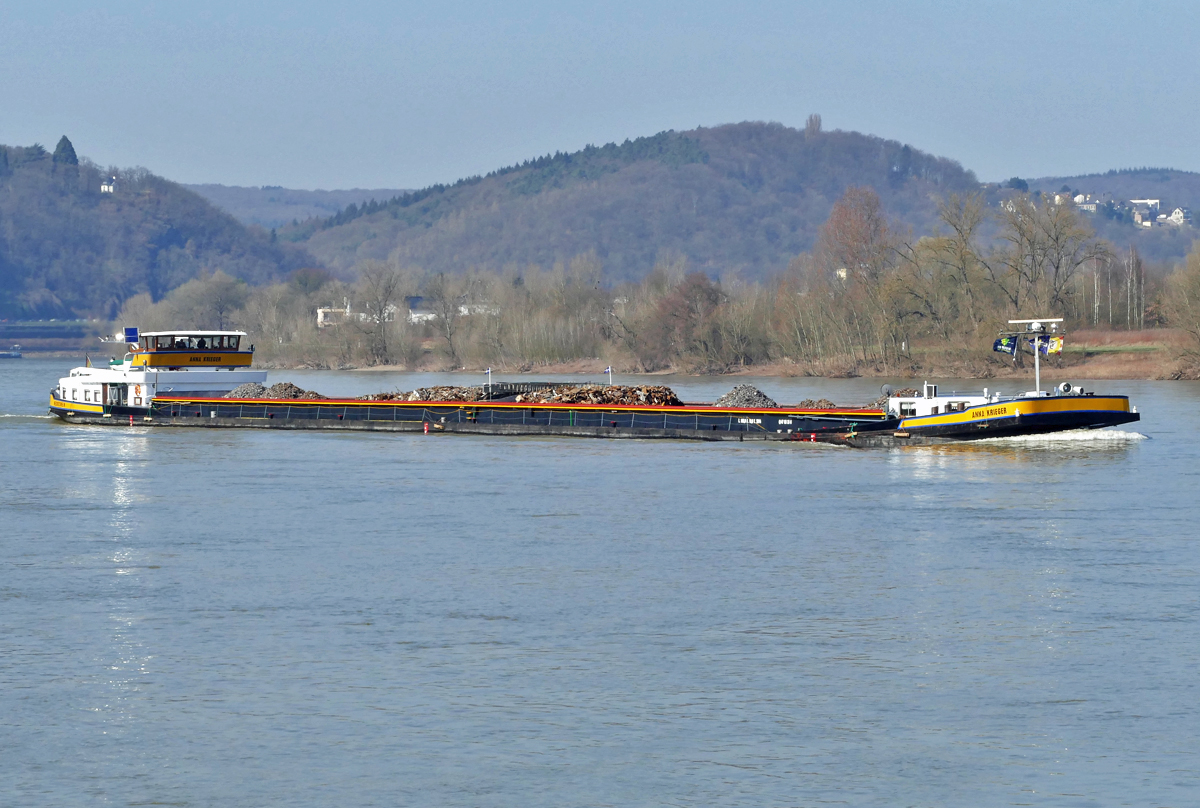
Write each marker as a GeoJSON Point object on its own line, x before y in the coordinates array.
{"type": "Point", "coordinates": [869, 300]}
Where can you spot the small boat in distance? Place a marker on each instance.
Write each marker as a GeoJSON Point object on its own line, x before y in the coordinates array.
{"type": "Point", "coordinates": [12, 353]}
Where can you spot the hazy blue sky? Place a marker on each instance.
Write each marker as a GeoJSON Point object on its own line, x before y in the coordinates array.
{"type": "Point", "coordinates": [396, 94]}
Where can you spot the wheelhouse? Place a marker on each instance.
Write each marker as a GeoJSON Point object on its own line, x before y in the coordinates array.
{"type": "Point", "coordinates": [190, 341]}
{"type": "Point", "coordinates": [180, 349]}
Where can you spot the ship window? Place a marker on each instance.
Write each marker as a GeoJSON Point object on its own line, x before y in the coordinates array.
{"type": "Point", "coordinates": [908, 409]}
{"type": "Point", "coordinates": [74, 394]}
{"type": "Point", "coordinates": [165, 343]}
{"type": "Point", "coordinates": [87, 396]}
{"type": "Point", "coordinates": [137, 400]}
{"type": "Point", "coordinates": [218, 342]}
{"type": "Point", "coordinates": [933, 411]}
{"type": "Point", "coordinates": [231, 342]}
{"type": "Point", "coordinates": [144, 342]}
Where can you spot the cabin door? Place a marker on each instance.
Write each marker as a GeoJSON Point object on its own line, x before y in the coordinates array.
{"type": "Point", "coordinates": [113, 394]}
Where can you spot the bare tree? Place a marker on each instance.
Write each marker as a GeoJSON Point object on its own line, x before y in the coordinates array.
{"type": "Point", "coordinates": [380, 287]}
{"type": "Point", "coordinates": [1181, 298]}
{"type": "Point", "coordinates": [1048, 243]}
{"type": "Point", "coordinates": [448, 297]}
{"type": "Point", "coordinates": [210, 302]}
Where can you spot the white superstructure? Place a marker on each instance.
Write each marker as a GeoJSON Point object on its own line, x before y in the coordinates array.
{"type": "Point", "coordinates": [193, 363]}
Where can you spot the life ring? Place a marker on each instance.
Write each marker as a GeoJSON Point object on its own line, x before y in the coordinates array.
{"type": "Point", "coordinates": [137, 389]}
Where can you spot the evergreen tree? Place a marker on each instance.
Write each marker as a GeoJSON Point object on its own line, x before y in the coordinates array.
{"type": "Point", "coordinates": [64, 152]}
{"type": "Point", "coordinates": [3, 159]}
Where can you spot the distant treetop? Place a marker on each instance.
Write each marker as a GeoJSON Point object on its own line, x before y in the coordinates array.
{"type": "Point", "coordinates": [64, 152]}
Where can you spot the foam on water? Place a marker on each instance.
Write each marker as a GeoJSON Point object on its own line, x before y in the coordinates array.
{"type": "Point", "coordinates": [1096, 436]}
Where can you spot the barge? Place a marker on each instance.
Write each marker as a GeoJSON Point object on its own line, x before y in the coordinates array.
{"type": "Point", "coordinates": [179, 379]}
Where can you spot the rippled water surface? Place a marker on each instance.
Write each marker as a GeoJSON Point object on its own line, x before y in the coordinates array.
{"type": "Point", "coordinates": [199, 617]}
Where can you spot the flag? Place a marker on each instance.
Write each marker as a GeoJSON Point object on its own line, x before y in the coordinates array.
{"type": "Point", "coordinates": [1046, 345]}
{"type": "Point", "coordinates": [608, 369]}
{"type": "Point", "coordinates": [1006, 345]}
{"type": "Point", "coordinates": [87, 360]}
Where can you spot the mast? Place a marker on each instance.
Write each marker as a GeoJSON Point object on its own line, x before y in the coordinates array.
{"type": "Point", "coordinates": [1036, 329]}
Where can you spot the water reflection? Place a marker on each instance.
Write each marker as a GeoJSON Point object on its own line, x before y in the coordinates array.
{"type": "Point", "coordinates": [106, 474]}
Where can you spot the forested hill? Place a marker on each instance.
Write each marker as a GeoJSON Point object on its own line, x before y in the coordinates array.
{"type": "Point", "coordinates": [69, 249]}
{"type": "Point", "coordinates": [1172, 187]}
{"type": "Point", "coordinates": [273, 206]}
{"type": "Point", "coordinates": [1175, 188]}
{"type": "Point", "coordinates": [743, 197]}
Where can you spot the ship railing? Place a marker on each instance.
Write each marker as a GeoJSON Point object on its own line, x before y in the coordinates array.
{"type": "Point", "coordinates": [468, 413]}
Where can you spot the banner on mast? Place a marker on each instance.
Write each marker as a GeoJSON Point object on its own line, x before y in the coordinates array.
{"type": "Point", "coordinates": [1046, 345]}
{"type": "Point", "coordinates": [1006, 345]}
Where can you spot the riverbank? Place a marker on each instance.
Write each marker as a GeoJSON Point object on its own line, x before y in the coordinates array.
{"type": "Point", "coordinates": [1152, 354]}
{"type": "Point", "coordinates": [1155, 354]}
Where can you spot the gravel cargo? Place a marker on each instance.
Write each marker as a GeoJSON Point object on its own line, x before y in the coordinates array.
{"type": "Point", "coordinates": [745, 395]}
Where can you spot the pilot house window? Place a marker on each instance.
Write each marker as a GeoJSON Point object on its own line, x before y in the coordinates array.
{"type": "Point", "coordinates": [908, 409]}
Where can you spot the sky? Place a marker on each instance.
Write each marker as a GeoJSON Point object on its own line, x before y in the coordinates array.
{"type": "Point", "coordinates": [395, 94]}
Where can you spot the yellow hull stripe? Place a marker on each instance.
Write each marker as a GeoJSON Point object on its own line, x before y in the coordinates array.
{"type": "Point", "coordinates": [212, 359]}
{"type": "Point", "coordinates": [75, 406]}
{"type": "Point", "coordinates": [1030, 406]}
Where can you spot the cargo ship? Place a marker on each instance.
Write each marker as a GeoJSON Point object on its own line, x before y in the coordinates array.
{"type": "Point", "coordinates": [181, 378]}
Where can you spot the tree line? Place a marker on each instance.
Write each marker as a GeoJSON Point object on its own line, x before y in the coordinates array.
{"type": "Point", "coordinates": [868, 296]}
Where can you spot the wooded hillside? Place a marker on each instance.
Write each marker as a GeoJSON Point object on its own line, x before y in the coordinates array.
{"type": "Point", "coordinates": [1174, 188]}
{"type": "Point", "coordinates": [272, 207]}
{"type": "Point", "coordinates": [69, 249]}
{"type": "Point", "coordinates": [739, 199]}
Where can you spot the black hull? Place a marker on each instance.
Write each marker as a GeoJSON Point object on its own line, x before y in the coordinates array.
{"type": "Point", "coordinates": [863, 429]}
{"type": "Point", "coordinates": [1039, 424]}
{"type": "Point", "coordinates": [670, 423]}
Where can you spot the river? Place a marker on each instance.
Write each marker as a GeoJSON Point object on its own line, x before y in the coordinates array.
{"type": "Point", "coordinates": [248, 617]}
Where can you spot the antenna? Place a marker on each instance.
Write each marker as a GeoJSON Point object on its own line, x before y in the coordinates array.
{"type": "Point", "coordinates": [1036, 328]}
